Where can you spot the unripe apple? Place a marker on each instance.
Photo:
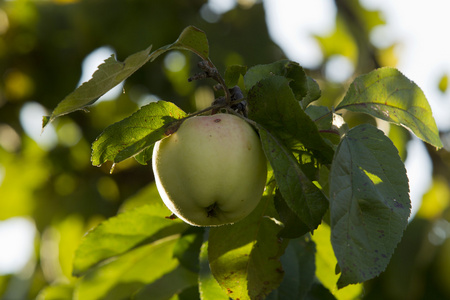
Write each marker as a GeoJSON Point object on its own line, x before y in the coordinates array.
{"type": "Point", "coordinates": [211, 171]}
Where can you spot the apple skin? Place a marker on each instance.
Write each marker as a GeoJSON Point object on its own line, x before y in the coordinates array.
{"type": "Point", "coordinates": [211, 171]}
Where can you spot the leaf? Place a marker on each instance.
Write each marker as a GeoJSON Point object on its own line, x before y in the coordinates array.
{"type": "Point", "coordinates": [187, 248]}
{"type": "Point", "coordinates": [299, 266]}
{"type": "Point", "coordinates": [387, 94]}
{"type": "Point", "coordinates": [208, 286]}
{"type": "Point", "coordinates": [113, 72]}
{"type": "Point", "coordinates": [294, 227]}
{"type": "Point", "coordinates": [136, 133]}
{"type": "Point", "coordinates": [191, 39]}
{"type": "Point", "coordinates": [326, 262]}
{"type": "Point", "coordinates": [233, 73]}
{"type": "Point", "coordinates": [313, 94]}
{"type": "Point", "coordinates": [369, 205]}
{"type": "Point", "coordinates": [122, 277]}
{"type": "Point", "coordinates": [169, 285]}
{"type": "Point", "coordinates": [56, 292]}
{"type": "Point", "coordinates": [301, 195]}
{"type": "Point", "coordinates": [108, 75]}
{"type": "Point", "coordinates": [244, 257]}
{"type": "Point", "coordinates": [273, 105]}
{"type": "Point", "coordinates": [124, 232]}
{"type": "Point", "coordinates": [285, 68]}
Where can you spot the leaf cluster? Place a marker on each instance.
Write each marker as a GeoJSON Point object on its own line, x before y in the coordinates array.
{"type": "Point", "coordinates": [322, 174]}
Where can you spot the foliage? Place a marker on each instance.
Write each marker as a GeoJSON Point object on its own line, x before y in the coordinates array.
{"type": "Point", "coordinates": [52, 184]}
{"type": "Point", "coordinates": [367, 198]}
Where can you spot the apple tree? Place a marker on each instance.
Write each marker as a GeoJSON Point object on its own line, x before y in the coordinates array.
{"type": "Point", "coordinates": [331, 210]}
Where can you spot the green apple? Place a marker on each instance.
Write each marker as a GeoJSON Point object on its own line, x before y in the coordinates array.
{"type": "Point", "coordinates": [211, 171]}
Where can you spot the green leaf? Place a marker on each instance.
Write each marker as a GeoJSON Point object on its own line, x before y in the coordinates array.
{"type": "Point", "coordinates": [326, 267]}
{"type": "Point", "coordinates": [369, 205]}
{"type": "Point", "coordinates": [187, 249]}
{"type": "Point", "coordinates": [443, 83]}
{"type": "Point", "coordinates": [108, 75]}
{"type": "Point", "coordinates": [191, 39]}
{"type": "Point", "coordinates": [124, 232]}
{"type": "Point", "coordinates": [244, 257]}
{"type": "Point", "coordinates": [387, 94]}
{"type": "Point", "coordinates": [286, 68]}
{"type": "Point", "coordinates": [331, 125]}
{"type": "Point", "coordinates": [136, 133]}
{"type": "Point", "coordinates": [208, 286]}
{"type": "Point", "coordinates": [294, 227]}
{"type": "Point", "coordinates": [273, 105]}
{"type": "Point", "coordinates": [301, 195]}
{"type": "Point", "coordinates": [299, 265]}
{"type": "Point", "coordinates": [313, 94]}
{"type": "Point", "coordinates": [124, 276]}
{"type": "Point", "coordinates": [233, 73]}
{"type": "Point", "coordinates": [56, 292]}
{"type": "Point", "coordinates": [169, 285]}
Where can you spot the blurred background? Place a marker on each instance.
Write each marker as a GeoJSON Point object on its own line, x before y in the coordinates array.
{"type": "Point", "coordinates": [50, 194]}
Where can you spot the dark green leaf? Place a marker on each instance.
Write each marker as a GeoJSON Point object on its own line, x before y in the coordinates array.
{"type": "Point", "coordinates": [313, 94]}
{"type": "Point", "coordinates": [145, 155]}
{"type": "Point", "coordinates": [169, 285]}
{"type": "Point", "coordinates": [124, 232]}
{"type": "Point", "coordinates": [136, 133]}
{"type": "Point", "coordinates": [288, 69]}
{"type": "Point", "coordinates": [319, 292]}
{"type": "Point", "coordinates": [108, 75]}
{"type": "Point", "coordinates": [301, 195]}
{"type": "Point", "coordinates": [273, 105]}
{"type": "Point", "coordinates": [369, 205]}
{"type": "Point", "coordinates": [293, 225]}
{"type": "Point", "coordinates": [299, 267]}
{"type": "Point", "coordinates": [330, 125]}
{"type": "Point", "coordinates": [387, 94]}
{"type": "Point", "coordinates": [187, 249]}
{"type": "Point", "coordinates": [191, 39]}
{"type": "Point", "coordinates": [244, 257]}
{"type": "Point", "coordinates": [122, 277]}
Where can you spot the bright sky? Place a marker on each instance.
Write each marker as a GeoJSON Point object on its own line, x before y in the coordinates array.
{"type": "Point", "coordinates": [421, 28]}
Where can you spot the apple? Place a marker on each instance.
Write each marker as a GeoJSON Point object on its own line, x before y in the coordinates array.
{"type": "Point", "coordinates": [211, 171]}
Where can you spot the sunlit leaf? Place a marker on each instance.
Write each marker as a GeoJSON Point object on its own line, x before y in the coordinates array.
{"type": "Point", "coordinates": [123, 232]}
{"type": "Point", "coordinates": [301, 195]}
{"type": "Point", "coordinates": [134, 134]}
{"type": "Point", "coordinates": [325, 260]}
{"type": "Point", "coordinates": [191, 39]}
{"type": "Point", "coordinates": [244, 257]}
{"type": "Point", "coordinates": [124, 276]}
{"type": "Point", "coordinates": [273, 105]}
{"type": "Point", "coordinates": [369, 203]}
{"type": "Point", "coordinates": [443, 83]}
{"type": "Point", "coordinates": [208, 286]}
{"type": "Point", "coordinates": [108, 75]}
{"type": "Point", "coordinates": [56, 292]}
{"type": "Point", "coordinates": [387, 94]}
